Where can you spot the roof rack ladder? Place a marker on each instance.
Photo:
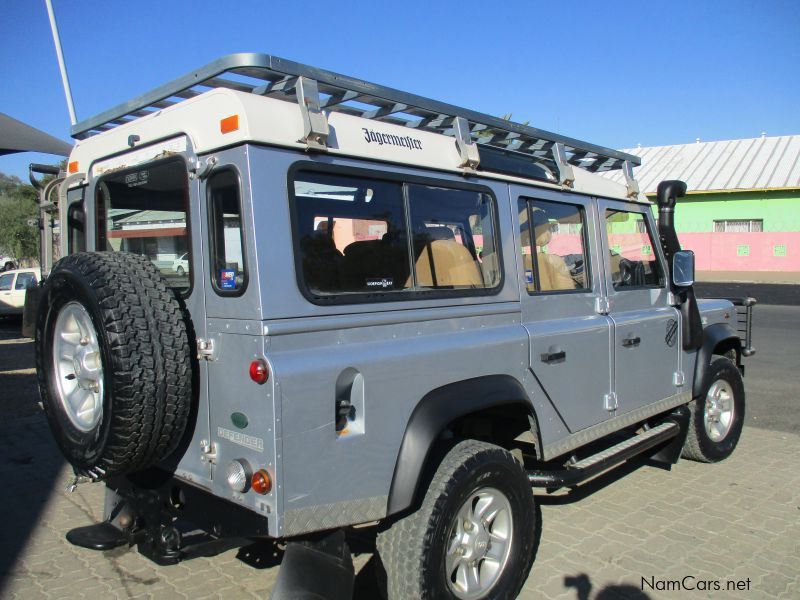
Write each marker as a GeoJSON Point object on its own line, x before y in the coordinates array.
{"type": "Point", "coordinates": [315, 123]}
{"type": "Point", "coordinates": [468, 149]}
{"type": "Point", "coordinates": [630, 181]}
{"type": "Point", "coordinates": [566, 176]}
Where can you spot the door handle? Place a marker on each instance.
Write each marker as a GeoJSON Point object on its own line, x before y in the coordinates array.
{"type": "Point", "coordinates": [549, 357]}
{"type": "Point", "coordinates": [631, 342]}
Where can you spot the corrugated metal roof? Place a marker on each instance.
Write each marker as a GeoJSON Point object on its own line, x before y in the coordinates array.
{"type": "Point", "coordinates": [755, 163]}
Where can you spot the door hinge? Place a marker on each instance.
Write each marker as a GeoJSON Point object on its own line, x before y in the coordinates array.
{"type": "Point", "coordinates": [610, 401]}
{"type": "Point", "coordinates": [678, 378]}
{"type": "Point", "coordinates": [207, 349]}
{"type": "Point", "coordinates": [208, 452]}
{"type": "Point", "coordinates": [602, 305]}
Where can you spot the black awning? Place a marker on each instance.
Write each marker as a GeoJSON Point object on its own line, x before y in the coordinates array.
{"type": "Point", "coordinates": [16, 136]}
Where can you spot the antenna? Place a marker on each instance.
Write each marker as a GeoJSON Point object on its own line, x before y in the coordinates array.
{"type": "Point", "coordinates": [61, 65]}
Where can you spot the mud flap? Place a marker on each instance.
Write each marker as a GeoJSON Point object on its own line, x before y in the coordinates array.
{"type": "Point", "coordinates": [316, 569]}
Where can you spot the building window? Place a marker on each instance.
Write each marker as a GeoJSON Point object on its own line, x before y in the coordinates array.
{"type": "Point", "coordinates": [739, 226]}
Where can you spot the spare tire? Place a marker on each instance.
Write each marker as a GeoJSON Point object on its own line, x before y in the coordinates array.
{"type": "Point", "coordinates": [114, 363]}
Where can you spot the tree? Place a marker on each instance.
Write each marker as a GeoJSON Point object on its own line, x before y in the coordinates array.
{"type": "Point", "coordinates": [18, 205]}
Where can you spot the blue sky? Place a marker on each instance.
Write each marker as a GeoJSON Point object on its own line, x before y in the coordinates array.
{"type": "Point", "coordinates": [616, 74]}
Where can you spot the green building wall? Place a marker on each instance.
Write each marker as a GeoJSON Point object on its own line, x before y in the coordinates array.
{"type": "Point", "coordinates": [780, 210]}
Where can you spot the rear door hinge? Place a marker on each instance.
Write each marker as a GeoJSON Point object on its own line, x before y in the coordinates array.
{"type": "Point", "coordinates": [208, 452]}
{"type": "Point", "coordinates": [610, 401]}
{"type": "Point", "coordinates": [207, 349]}
{"type": "Point", "coordinates": [678, 378]}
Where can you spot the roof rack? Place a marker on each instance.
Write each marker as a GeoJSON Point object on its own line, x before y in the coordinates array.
{"type": "Point", "coordinates": [318, 90]}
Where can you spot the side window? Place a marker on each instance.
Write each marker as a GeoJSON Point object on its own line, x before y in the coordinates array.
{"type": "Point", "coordinates": [6, 281]}
{"type": "Point", "coordinates": [351, 233]}
{"type": "Point", "coordinates": [633, 260]}
{"type": "Point", "coordinates": [228, 273]}
{"type": "Point", "coordinates": [144, 211]}
{"type": "Point", "coordinates": [553, 241]}
{"type": "Point", "coordinates": [453, 239]}
{"type": "Point", "coordinates": [358, 235]}
{"type": "Point", "coordinates": [24, 281]}
{"type": "Point", "coordinates": [76, 226]}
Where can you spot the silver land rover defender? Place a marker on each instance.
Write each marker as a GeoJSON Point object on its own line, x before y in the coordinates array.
{"type": "Point", "coordinates": [291, 302]}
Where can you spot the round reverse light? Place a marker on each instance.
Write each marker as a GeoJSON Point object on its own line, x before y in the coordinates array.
{"type": "Point", "coordinates": [259, 371]}
{"type": "Point", "coordinates": [261, 483]}
{"type": "Point", "coordinates": [238, 475]}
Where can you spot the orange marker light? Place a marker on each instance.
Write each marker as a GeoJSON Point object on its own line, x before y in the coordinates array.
{"type": "Point", "coordinates": [73, 167]}
{"type": "Point", "coordinates": [229, 124]}
{"type": "Point", "coordinates": [261, 483]}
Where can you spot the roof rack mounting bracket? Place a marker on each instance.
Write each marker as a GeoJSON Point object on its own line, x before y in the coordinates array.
{"type": "Point", "coordinates": [315, 123]}
{"type": "Point", "coordinates": [468, 149]}
{"type": "Point", "coordinates": [630, 181]}
{"type": "Point", "coordinates": [566, 176]}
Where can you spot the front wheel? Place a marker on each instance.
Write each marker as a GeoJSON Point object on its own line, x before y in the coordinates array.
{"type": "Point", "coordinates": [474, 536]}
{"type": "Point", "coordinates": [717, 415]}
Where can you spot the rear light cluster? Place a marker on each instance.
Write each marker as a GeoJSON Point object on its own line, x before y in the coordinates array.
{"type": "Point", "coordinates": [241, 478]}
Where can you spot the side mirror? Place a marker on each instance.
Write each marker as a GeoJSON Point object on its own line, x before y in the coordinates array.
{"type": "Point", "coordinates": [683, 268]}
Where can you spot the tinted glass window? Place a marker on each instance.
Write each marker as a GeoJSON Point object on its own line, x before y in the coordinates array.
{"type": "Point", "coordinates": [355, 236]}
{"type": "Point", "coordinates": [351, 233]}
{"type": "Point", "coordinates": [227, 241]}
{"type": "Point", "coordinates": [6, 281]}
{"type": "Point", "coordinates": [556, 261]}
{"type": "Point", "coordinates": [452, 238]}
{"type": "Point", "coordinates": [76, 224]}
{"type": "Point", "coordinates": [24, 281]}
{"type": "Point", "coordinates": [633, 261]}
{"type": "Point", "coordinates": [144, 211]}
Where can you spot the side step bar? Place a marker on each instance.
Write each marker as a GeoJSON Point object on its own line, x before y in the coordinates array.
{"type": "Point", "coordinates": [672, 429]}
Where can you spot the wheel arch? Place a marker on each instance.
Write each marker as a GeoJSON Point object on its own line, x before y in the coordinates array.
{"type": "Point", "coordinates": [495, 398]}
{"type": "Point", "coordinates": [718, 338]}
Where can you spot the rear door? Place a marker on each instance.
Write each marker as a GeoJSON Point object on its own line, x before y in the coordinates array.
{"type": "Point", "coordinates": [646, 328]}
{"type": "Point", "coordinates": [153, 210]}
{"type": "Point", "coordinates": [569, 338]}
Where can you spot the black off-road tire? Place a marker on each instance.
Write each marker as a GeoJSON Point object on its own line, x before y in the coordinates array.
{"type": "Point", "coordinates": [699, 445]}
{"type": "Point", "coordinates": [412, 550]}
{"type": "Point", "coordinates": [145, 354]}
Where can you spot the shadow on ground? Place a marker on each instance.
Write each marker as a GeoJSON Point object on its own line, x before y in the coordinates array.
{"type": "Point", "coordinates": [30, 462]}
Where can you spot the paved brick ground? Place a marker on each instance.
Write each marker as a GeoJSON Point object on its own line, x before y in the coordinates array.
{"type": "Point", "coordinates": [735, 521]}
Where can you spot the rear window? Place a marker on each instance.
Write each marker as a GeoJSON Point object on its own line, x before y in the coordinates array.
{"type": "Point", "coordinates": [6, 281]}
{"type": "Point", "coordinates": [360, 239]}
{"type": "Point", "coordinates": [145, 211]}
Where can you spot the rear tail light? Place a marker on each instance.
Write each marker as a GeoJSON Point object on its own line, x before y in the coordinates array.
{"type": "Point", "coordinates": [259, 371]}
{"type": "Point", "coordinates": [238, 475]}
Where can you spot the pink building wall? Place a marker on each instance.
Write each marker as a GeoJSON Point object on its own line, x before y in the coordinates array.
{"type": "Point", "coordinates": [763, 251]}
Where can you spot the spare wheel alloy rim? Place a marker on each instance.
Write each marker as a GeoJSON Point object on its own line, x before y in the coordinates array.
{"type": "Point", "coordinates": [78, 367]}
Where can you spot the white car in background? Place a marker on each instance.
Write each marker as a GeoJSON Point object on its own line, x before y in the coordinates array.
{"type": "Point", "coordinates": [181, 264]}
{"type": "Point", "coordinates": [12, 289]}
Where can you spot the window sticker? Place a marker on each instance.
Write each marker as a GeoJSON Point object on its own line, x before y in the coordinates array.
{"type": "Point", "coordinates": [227, 279]}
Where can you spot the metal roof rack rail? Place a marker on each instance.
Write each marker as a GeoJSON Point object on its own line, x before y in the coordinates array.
{"type": "Point", "coordinates": [272, 76]}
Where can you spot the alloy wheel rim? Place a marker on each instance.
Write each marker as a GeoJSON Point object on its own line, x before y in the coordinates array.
{"type": "Point", "coordinates": [719, 410]}
{"type": "Point", "coordinates": [479, 544]}
{"type": "Point", "coordinates": [78, 367]}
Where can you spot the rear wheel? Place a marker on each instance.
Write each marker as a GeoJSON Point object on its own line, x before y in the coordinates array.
{"type": "Point", "coordinates": [113, 361]}
{"type": "Point", "coordinates": [717, 415]}
{"type": "Point", "coordinates": [474, 536]}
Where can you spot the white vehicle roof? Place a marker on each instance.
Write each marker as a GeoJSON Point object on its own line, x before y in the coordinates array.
{"type": "Point", "coordinates": [255, 98]}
